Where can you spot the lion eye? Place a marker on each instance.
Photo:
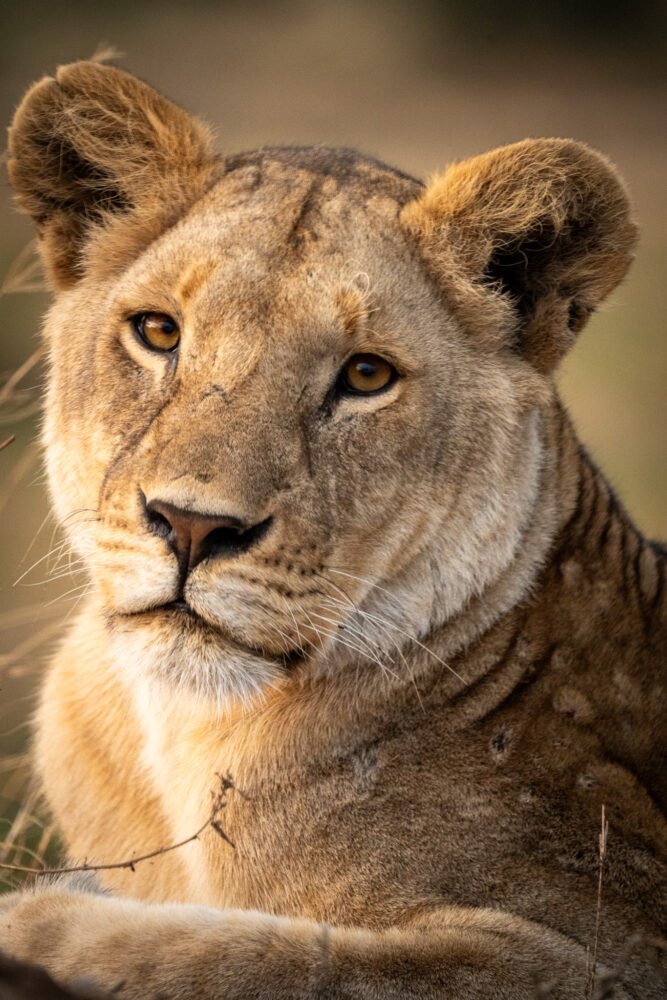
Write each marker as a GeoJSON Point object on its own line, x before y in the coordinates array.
{"type": "Point", "coordinates": [367, 373]}
{"type": "Point", "coordinates": [157, 331]}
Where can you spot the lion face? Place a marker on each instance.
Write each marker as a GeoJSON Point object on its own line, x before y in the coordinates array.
{"type": "Point", "coordinates": [318, 454]}
{"type": "Point", "coordinates": [251, 419]}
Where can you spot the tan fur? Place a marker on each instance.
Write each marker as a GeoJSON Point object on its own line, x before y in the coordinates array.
{"type": "Point", "coordinates": [555, 210]}
{"type": "Point", "coordinates": [443, 656]}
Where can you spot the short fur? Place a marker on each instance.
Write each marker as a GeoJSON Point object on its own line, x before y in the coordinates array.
{"type": "Point", "coordinates": [444, 654]}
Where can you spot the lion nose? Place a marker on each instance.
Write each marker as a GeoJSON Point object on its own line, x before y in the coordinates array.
{"type": "Point", "coordinates": [194, 536]}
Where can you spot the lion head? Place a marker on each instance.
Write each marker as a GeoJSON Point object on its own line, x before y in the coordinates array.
{"type": "Point", "coordinates": [296, 403]}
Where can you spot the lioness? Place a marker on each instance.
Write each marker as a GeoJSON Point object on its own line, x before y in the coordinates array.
{"type": "Point", "coordinates": [345, 547]}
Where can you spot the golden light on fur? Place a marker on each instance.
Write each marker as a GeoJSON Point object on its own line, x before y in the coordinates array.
{"type": "Point", "coordinates": [415, 625]}
{"type": "Point", "coordinates": [547, 218]}
{"type": "Point", "coordinates": [354, 309]}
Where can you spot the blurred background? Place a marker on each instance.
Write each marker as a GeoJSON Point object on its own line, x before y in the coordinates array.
{"type": "Point", "coordinates": [417, 84]}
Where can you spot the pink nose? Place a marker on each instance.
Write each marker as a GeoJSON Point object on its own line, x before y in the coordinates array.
{"type": "Point", "coordinates": [194, 537]}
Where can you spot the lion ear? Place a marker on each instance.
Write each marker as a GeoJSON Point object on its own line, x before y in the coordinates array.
{"type": "Point", "coordinates": [525, 242]}
{"type": "Point", "coordinates": [96, 151]}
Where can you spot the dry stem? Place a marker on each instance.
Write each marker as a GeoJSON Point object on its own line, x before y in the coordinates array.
{"type": "Point", "coordinates": [20, 374]}
{"type": "Point", "coordinates": [602, 841]}
{"type": "Point", "coordinates": [218, 804]}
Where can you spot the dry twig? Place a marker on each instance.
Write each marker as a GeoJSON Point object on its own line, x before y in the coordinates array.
{"type": "Point", "coordinates": [602, 841]}
{"type": "Point", "coordinates": [219, 801]}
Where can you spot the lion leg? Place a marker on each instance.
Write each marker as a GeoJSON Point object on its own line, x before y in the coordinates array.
{"type": "Point", "coordinates": [183, 951]}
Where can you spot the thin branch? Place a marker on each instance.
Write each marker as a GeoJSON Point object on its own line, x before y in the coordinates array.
{"type": "Point", "coordinates": [218, 804]}
{"type": "Point", "coordinates": [3, 445]}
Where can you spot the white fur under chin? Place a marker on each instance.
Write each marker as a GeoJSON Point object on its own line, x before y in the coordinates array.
{"type": "Point", "coordinates": [214, 672]}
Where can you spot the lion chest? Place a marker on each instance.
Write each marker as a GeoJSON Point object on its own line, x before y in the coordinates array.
{"type": "Point", "coordinates": [428, 815]}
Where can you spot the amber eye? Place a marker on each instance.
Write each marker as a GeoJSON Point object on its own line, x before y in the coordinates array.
{"type": "Point", "coordinates": [157, 330]}
{"type": "Point", "coordinates": [367, 373]}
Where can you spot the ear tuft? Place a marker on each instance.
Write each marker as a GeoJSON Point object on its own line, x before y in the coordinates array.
{"type": "Point", "coordinates": [95, 143]}
{"type": "Point", "coordinates": [526, 241]}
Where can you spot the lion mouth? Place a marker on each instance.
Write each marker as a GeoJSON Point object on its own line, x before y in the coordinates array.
{"type": "Point", "coordinates": [181, 613]}
{"type": "Point", "coordinates": [182, 607]}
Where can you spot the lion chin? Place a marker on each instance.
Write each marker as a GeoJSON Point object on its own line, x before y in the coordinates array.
{"type": "Point", "coordinates": [175, 645]}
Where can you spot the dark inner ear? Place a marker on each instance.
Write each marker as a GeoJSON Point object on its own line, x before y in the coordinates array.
{"type": "Point", "coordinates": [524, 268]}
{"type": "Point", "coordinates": [95, 148]}
{"type": "Point", "coordinates": [86, 189]}
{"type": "Point", "coordinates": [540, 230]}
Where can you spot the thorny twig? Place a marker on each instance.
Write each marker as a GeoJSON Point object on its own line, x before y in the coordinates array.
{"type": "Point", "coordinates": [219, 801]}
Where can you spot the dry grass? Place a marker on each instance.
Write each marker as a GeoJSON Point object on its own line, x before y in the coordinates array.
{"type": "Point", "coordinates": [25, 834]}
{"type": "Point", "coordinates": [593, 957]}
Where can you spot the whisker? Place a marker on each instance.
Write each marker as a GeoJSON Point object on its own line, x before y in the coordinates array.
{"type": "Point", "coordinates": [74, 590]}
{"type": "Point", "coordinates": [296, 626]}
{"type": "Point", "coordinates": [391, 639]}
{"type": "Point", "coordinates": [397, 628]}
{"type": "Point", "coordinates": [287, 644]}
{"type": "Point", "coordinates": [348, 623]}
{"type": "Point", "coordinates": [53, 579]}
{"type": "Point", "coordinates": [366, 647]}
{"type": "Point", "coordinates": [349, 602]}
{"type": "Point", "coordinates": [48, 555]}
{"type": "Point", "coordinates": [35, 537]}
{"type": "Point", "coordinates": [79, 510]}
{"type": "Point", "coordinates": [408, 635]}
{"type": "Point", "coordinates": [77, 601]}
{"type": "Point", "coordinates": [362, 614]}
{"type": "Point", "coordinates": [370, 583]}
{"type": "Point", "coordinates": [319, 631]}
